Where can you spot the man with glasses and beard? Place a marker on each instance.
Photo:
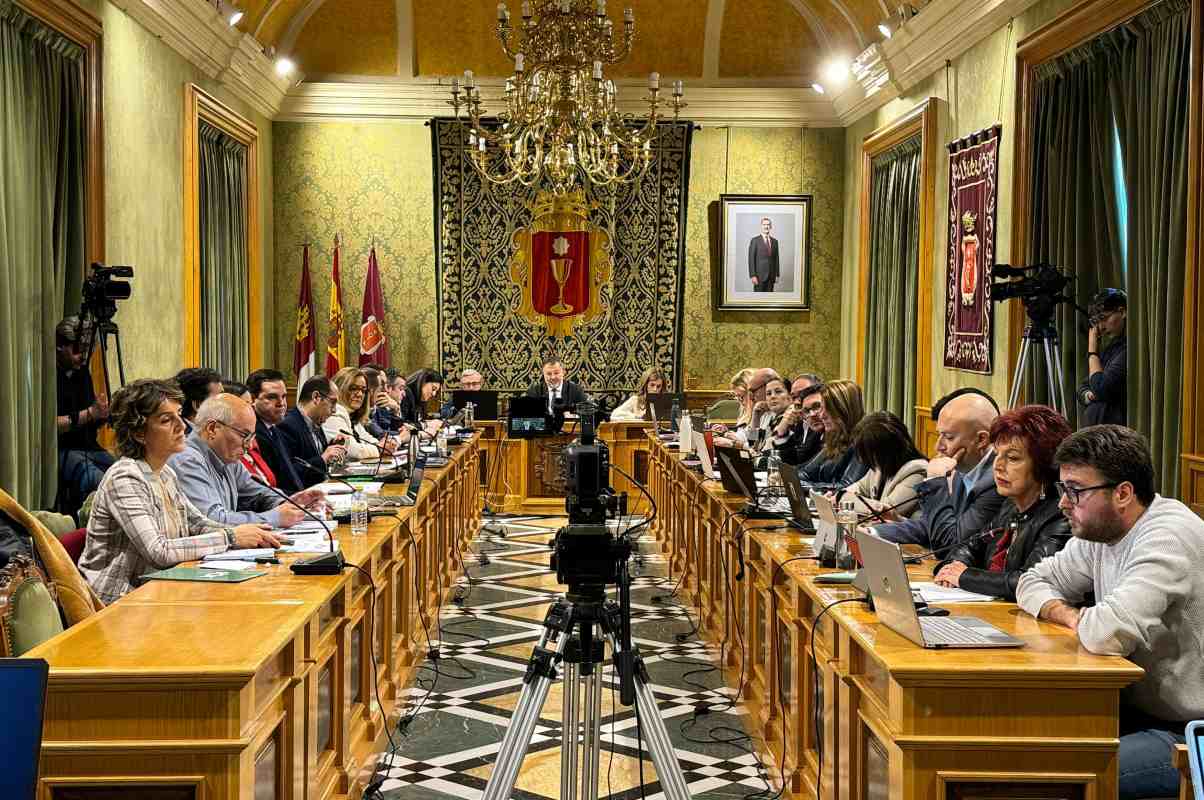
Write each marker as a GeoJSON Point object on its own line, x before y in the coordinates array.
{"type": "Point", "coordinates": [210, 472]}
{"type": "Point", "coordinates": [1142, 555]}
{"type": "Point", "coordinates": [302, 434]}
{"type": "Point", "coordinates": [800, 435]}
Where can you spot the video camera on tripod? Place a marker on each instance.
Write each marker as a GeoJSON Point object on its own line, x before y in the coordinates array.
{"type": "Point", "coordinates": [101, 291]}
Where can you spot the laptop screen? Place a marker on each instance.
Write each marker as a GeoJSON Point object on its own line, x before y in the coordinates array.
{"type": "Point", "coordinates": [416, 478]}
{"type": "Point", "coordinates": [23, 689]}
{"type": "Point", "coordinates": [1195, 756]}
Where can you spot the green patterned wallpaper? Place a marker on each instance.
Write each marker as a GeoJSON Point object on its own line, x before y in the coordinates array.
{"type": "Point", "coordinates": [374, 179]}
{"type": "Point", "coordinates": [144, 178]}
{"type": "Point", "coordinates": [974, 81]}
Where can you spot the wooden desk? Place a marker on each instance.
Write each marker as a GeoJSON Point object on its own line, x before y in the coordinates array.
{"type": "Point", "coordinates": [897, 721]}
{"type": "Point", "coordinates": [262, 689]}
{"type": "Point", "coordinates": [525, 477]}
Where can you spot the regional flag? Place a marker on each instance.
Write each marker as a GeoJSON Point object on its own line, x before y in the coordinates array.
{"type": "Point", "coordinates": [374, 345]}
{"type": "Point", "coordinates": [336, 338]}
{"type": "Point", "coordinates": [305, 341]}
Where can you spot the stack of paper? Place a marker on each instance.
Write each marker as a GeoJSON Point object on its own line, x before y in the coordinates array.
{"type": "Point", "coordinates": [230, 565]}
{"type": "Point", "coordinates": [249, 554]}
{"type": "Point", "coordinates": [333, 487]}
{"type": "Point", "coordinates": [309, 543]}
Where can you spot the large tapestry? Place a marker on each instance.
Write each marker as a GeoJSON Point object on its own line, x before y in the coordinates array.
{"type": "Point", "coordinates": [973, 193]}
{"type": "Point", "coordinates": [637, 321]}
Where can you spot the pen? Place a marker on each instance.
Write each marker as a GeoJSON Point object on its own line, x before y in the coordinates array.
{"type": "Point", "coordinates": [267, 560]}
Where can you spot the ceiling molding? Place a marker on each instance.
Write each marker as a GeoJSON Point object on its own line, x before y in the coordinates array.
{"type": "Point", "coordinates": [297, 24]}
{"type": "Point", "coordinates": [202, 37]}
{"type": "Point", "coordinates": [418, 101]}
{"type": "Point", "coordinates": [712, 37]}
{"type": "Point", "coordinates": [816, 22]}
{"type": "Point", "coordinates": [858, 33]}
{"type": "Point", "coordinates": [944, 29]}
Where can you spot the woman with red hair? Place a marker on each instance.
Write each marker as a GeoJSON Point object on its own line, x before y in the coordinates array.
{"type": "Point", "coordinates": [1029, 525]}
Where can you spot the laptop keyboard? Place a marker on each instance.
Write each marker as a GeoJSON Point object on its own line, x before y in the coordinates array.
{"type": "Point", "coordinates": [941, 630]}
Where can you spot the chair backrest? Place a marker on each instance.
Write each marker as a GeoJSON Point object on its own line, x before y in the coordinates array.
{"type": "Point", "coordinates": [29, 610]}
{"type": "Point", "coordinates": [724, 409]}
{"type": "Point", "coordinates": [73, 542]}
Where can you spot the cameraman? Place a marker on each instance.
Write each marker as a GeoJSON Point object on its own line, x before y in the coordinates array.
{"type": "Point", "coordinates": [82, 462]}
{"type": "Point", "coordinates": [1103, 393]}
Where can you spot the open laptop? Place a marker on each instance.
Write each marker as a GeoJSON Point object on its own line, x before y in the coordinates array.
{"type": "Point", "coordinates": [23, 687]}
{"type": "Point", "coordinates": [411, 495]}
{"type": "Point", "coordinates": [1194, 736]}
{"type": "Point", "coordinates": [796, 497]}
{"type": "Point", "coordinates": [704, 455]}
{"type": "Point", "coordinates": [886, 576]}
{"type": "Point", "coordinates": [660, 405]}
{"type": "Point", "coordinates": [484, 402]}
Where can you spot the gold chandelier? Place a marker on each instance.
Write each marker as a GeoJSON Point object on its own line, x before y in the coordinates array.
{"type": "Point", "coordinates": [561, 118]}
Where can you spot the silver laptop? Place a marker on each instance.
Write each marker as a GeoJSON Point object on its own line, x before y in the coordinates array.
{"type": "Point", "coordinates": [882, 566]}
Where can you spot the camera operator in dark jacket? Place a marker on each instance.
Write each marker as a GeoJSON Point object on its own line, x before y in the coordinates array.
{"type": "Point", "coordinates": [1103, 394]}
{"type": "Point", "coordinates": [1029, 526]}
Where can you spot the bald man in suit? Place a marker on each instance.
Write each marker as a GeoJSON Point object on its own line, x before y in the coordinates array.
{"type": "Point", "coordinates": [763, 254]}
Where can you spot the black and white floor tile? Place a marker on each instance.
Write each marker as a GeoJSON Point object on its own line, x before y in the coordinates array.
{"type": "Point", "coordinates": [458, 714]}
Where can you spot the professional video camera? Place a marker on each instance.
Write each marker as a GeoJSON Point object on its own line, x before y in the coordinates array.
{"type": "Point", "coordinates": [101, 291]}
{"type": "Point", "coordinates": [1039, 287]}
{"type": "Point", "coordinates": [585, 552]}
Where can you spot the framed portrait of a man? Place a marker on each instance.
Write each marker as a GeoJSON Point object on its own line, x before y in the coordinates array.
{"type": "Point", "coordinates": [765, 253]}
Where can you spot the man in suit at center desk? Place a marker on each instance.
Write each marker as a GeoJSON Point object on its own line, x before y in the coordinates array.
{"type": "Point", "coordinates": [561, 395]}
{"type": "Point", "coordinates": [763, 252]}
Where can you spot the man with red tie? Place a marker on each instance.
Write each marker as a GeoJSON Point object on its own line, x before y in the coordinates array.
{"type": "Point", "coordinates": [763, 259]}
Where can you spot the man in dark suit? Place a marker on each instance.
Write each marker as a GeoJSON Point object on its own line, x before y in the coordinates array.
{"type": "Point", "coordinates": [800, 439]}
{"type": "Point", "coordinates": [268, 397]}
{"type": "Point", "coordinates": [561, 395]}
{"type": "Point", "coordinates": [763, 251]}
{"type": "Point", "coordinates": [959, 498]}
{"type": "Point", "coordinates": [301, 429]}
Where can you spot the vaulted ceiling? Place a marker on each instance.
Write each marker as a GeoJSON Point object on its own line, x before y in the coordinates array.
{"type": "Point", "coordinates": [709, 42]}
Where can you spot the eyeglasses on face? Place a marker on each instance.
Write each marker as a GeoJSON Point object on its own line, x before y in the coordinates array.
{"type": "Point", "coordinates": [1075, 493]}
{"type": "Point", "coordinates": [246, 436]}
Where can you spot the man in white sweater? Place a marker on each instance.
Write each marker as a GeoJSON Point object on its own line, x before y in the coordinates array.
{"type": "Point", "coordinates": [1142, 555]}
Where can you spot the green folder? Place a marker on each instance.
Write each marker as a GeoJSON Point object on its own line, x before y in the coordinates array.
{"type": "Point", "coordinates": [204, 575]}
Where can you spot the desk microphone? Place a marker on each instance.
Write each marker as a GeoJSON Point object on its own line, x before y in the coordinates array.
{"type": "Point", "coordinates": [974, 538]}
{"type": "Point", "coordinates": [331, 563]}
{"type": "Point", "coordinates": [879, 514]}
{"type": "Point", "coordinates": [325, 476]}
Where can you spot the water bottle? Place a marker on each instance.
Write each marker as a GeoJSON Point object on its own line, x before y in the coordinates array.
{"type": "Point", "coordinates": [441, 442]}
{"type": "Point", "coordinates": [359, 514]}
{"type": "Point", "coordinates": [846, 524]}
{"type": "Point", "coordinates": [773, 478]}
{"type": "Point", "coordinates": [674, 415]}
{"type": "Point", "coordinates": [470, 413]}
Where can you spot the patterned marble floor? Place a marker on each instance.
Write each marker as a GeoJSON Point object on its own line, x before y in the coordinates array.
{"type": "Point", "coordinates": [457, 717]}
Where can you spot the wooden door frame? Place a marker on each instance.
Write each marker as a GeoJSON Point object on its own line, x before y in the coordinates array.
{"type": "Point", "coordinates": [920, 121]}
{"type": "Point", "coordinates": [1069, 30]}
{"type": "Point", "coordinates": [200, 106]}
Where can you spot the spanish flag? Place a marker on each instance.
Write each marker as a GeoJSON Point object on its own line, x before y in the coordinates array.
{"type": "Point", "coordinates": [336, 338]}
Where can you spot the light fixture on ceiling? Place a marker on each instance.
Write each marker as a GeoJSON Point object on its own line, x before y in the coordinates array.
{"type": "Point", "coordinates": [818, 88]}
{"type": "Point", "coordinates": [561, 120]}
{"type": "Point", "coordinates": [889, 26]}
{"type": "Point", "coordinates": [285, 66]}
{"type": "Point", "coordinates": [836, 71]}
{"type": "Point", "coordinates": [228, 11]}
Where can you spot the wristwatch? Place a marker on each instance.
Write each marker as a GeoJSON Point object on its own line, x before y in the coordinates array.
{"type": "Point", "coordinates": [230, 540]}
{"type": "Point", "coordinates": [1091, 353]}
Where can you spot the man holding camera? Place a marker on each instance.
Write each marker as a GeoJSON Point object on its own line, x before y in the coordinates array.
{"type": "Point", "coordinates": [82, 462]}
{"type": "Point", "coordinates": [1103, 393]}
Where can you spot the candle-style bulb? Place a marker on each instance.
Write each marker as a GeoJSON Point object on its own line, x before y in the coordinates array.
{"type": "Point", "coordinates": [502, 13]}
{"type": "Point", "coordinates": [654, 80]}
{"type": "Point", "coordinates": [628, 15]}
{"type": "Point", "coordinates": [469, 80]}
{"type": "Point", "coordinates": [597, 70]}
{"type": "Point", "coordinates": [518, 63]}
{"type": "Point", "coordinates": [677, 89]}
{"type": "Point", "coordinates": [526, 9]}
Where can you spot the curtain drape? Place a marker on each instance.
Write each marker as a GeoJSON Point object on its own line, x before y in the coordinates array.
{"type": "Point", "coordinates": [1074, 221]}
{"type": "Point", "coordinates": [42, 140]}
{"type": "Point", "coordinates": [894, 223]}
{"type": "Point", "coordinates": [1150, 98]}
{"type": "Point", "coordinates": [223, 251]}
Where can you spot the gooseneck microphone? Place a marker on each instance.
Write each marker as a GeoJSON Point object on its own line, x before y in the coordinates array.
{"type": "Point", "coordinates": [325, 476]}
{"type": "Point", "coordinates": [331, 563]}
{"type": "Point", "coordinates": [879, 513]}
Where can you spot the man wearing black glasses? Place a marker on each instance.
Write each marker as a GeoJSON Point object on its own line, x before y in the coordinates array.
{"type": "Point", "coordinates": [1142, 555]}
{"type": "Point", "coordinates": [210, 471]}
{"type": "Point", "coordinates": [302, 434]}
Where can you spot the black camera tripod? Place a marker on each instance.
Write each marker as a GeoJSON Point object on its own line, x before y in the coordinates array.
{"type": "Point", "coordinates": [102, 329]}
{"type": "Point", "coordinates": [570, 635]}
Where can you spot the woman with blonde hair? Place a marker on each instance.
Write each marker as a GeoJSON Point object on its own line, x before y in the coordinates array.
{"type": "Point", "coordinates": [350, 413]}
{"type": "Point", "coordinates": [636, 407]}
{"type": "Point", "coordinates": [740, 383]}
{"type": "Point", "coordinates": [837, 462]}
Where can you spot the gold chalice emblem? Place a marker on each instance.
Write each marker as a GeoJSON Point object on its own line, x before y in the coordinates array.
{"type": "Point", "coordinates": [561, 269]}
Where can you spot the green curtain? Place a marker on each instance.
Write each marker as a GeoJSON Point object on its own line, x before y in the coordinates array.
{"type": "Point", "coordinates": [1150, 97]}
{"type": "Point", "coordinates": [42, 140]}
{"type": "Point", "coordinates": [223, 235]}
{"type": "Point", "coordinates": [1074, 221]}
{"type": "Point", "coordinates": [894, 222]}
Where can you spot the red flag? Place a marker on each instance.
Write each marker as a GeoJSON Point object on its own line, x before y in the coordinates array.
{"type": "Point", "coordinates": [374, 345]}
{"type": "Point", "coordinates": [336, 337]}
{"type": "Point", "coordinates": [305, 341]}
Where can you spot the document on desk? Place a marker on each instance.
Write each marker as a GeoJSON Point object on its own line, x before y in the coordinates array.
{"type": "Point", "coordinates": [931, 593]}
{"type": "Point", "coordinates": [313, 526]}
{"type": "Point", "coordinates": [246, 554]}
{"type": "Point", "coordinates": [309, 543]}
{"type": "Point", "coordinates": [230, 565]}
{"type": "Point", "coordinates": [334, 487]}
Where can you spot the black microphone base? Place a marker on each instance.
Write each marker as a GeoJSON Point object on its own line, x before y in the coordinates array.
{"type": "Point", "coordinates": [325, 564]}
{"type": "Point", "coordinates": [752, 511]}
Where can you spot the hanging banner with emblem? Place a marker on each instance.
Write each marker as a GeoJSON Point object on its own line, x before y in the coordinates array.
{"type": "Point", "coordinates": [561, 262]}
{"type": "Point", "coordinates": [973, 209]}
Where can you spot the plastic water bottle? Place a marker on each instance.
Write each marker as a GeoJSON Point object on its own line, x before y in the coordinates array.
{"type": "Point", "coordinates": [674, 416]}
{"type": "Point", "coordinates": [846, 524]}
{"type": "Point", "coordinates": [441, 442]}
{"type": "Point", "coordinates": [470, 413]}
{"type": "Point", "coordinates": [359, 514]}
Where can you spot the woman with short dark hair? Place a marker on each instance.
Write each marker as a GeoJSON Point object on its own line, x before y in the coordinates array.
{"type": "Point", "coordinates": [882, 442]}
{"type": "Point", "coordinates": [1029, 525]}
{"type": "Point", "coordinates": [140, 519]}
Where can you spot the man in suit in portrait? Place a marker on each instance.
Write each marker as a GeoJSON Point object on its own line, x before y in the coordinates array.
{"type": "Point", "coordinates": [561, 395]}
{"type": "Point", "coordinates": [763, 251]}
